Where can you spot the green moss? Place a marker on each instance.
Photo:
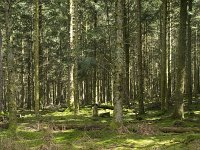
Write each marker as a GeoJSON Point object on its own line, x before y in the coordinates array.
{"type": "Point", "coordinates": [28, 136]}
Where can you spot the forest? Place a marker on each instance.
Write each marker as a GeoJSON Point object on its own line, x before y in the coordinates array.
{"type": "Point", "coordinates": [99, 74]}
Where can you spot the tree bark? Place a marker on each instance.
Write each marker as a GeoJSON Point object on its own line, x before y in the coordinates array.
{"type": "Point", "coordinates": [126, 43]}
{"type": "Point", "coordinates": [1, 74]}
{"type": "Point", "coordinates": [179, 87]}
{"type": "Point", "coordinates": [169, 55]}
{"type": "Point", "coordinates": [196, 64]}
{"type": "Point", "coordinates": [140, 59]}
{"type": "Point", "coordinates": [74, 46]}
{"type": "Point", "coordinates": [164, 56]}
{"type": "Point", "coordinates": [36, 58]}
{"type": "Point", "coordinates": [11, 76]}
{"type": "Point", "coordinates": [22, 93]}
{"type": "Point", "coordinates": [118, 66]}
{"type": "Point", "coordinates": [188, 57]}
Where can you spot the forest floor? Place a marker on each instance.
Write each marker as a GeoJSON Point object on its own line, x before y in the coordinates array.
{"type": "Point", "coordinates": [65, 131]}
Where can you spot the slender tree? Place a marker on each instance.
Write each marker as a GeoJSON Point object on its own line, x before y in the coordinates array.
{"type": "Point", "coordinates": [164, 55]}
{"type": "Point", "coordinates": [140, 59]}
{"type": "Point", "coordinates": [188, 87]}
{"type": "Point", "coordinates": [118, 66]}
{"type": "Point", "coordinates": [36, 58]}
{"type": "Point", "coordinates": [169, 55]}
{"type": "Point", "coordinates": [95, 56]}
{"type": "Point", "coordinates": [1, 75]}
{"type": "Point", "coordinates": [10, 66]}
{"type": "Point", "coordinates": [196, 73]}
{"type": "Point", "coordinates": [74, 52]}
{"type": "Point", "coordinates": [181, 49]}
{"type": "Point", "coordinates": [126, 43]}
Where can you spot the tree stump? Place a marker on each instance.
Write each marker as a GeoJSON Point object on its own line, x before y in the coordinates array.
{"type": "Point", "coordinates": [95, 110]}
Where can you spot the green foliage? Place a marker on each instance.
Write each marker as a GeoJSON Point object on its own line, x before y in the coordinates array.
{"type": "Point", "coordinates": [85, 66]}
{"type": "Point", "coordinates": [30, 137]}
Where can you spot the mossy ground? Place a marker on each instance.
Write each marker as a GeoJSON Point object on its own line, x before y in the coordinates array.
{"type": "Point", "coordinates": [64, 131]}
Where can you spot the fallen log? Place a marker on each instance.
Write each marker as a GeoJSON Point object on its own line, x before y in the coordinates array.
{"type": "Point", "coordinates": [179, 129]}
{"type": "Point", "coordinates": [77, 127]}
{"type": "Point", "coordinates": [104, 106]}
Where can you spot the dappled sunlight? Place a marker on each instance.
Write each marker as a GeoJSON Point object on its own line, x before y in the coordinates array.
{"type": "Point", "coordinates": [84, 131]}
{"type": "Point", "coordinates": [197, 112]}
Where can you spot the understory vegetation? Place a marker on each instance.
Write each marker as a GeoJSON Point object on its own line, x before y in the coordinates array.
{"type": "Point", "coordinates": [62, 130]}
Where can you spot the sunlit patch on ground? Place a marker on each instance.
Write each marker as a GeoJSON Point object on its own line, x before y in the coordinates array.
{"type": "Point", "coordinates": [66, 131]}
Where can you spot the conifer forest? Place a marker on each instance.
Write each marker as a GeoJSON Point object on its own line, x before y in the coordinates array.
{"type": "Point", "coordinates": [99, 74]}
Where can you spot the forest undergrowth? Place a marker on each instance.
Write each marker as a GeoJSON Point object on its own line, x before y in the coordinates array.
{"type": "Point", "coordinates": [62, 130]}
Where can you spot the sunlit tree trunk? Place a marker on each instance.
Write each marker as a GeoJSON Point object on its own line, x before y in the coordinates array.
{"type": "Point", "coordinates": [36, 58]}
{"type": "Point", "coordinates": [169, 55]}
{"type": "Point", "coordinates": [74, 46]}
{"type": "Point", "coordinates": [179, 87]}
{"type": "Point", "coordinates": [95, 57]}
{"type": "Point", "coordinates": [22, 93]}
{"type": "Point", "coordinates": [118, 66]}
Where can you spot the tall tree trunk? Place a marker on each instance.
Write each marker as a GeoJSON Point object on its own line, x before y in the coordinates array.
{"type": "Point", "coordinates": [188, 57]}
{"type": "Point", "coordinates": [74, 46]}
{"type": "Point", "coordinates": [11, 76]}
{"type": "Point", "coordinates": [179, 88]}
{"type": "Point", "coordinates": [95, 57]}
{"type": "Point", "coordinates": [41, 53]}
{"type": "Point", "coordinates": [164, 56]}
{"type": "Point", "coordinates": [22, 93]}
{"type": "Point", "coordinates": [1, 75]}
{"type": "Point", "coordinates": [169, 55]}
{"type": "Point", "coordinates": [36, 58]}
{"type": "Point", "coordinates": [126, 49]}
{"type": "Point", "coordinates": [196, 64]}
{"type": "Point", "coordinates": [140, 59]}
{"type": "Point", "coordinates": [118, 66]}
{"type": "Point", "coordinates": [30, 87]}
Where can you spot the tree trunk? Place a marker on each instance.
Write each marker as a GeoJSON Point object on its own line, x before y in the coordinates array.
{"type": "Point", "coordinates": [140, 59]}
{"type": "Point", "coordinates": [74, 46]}
{"type": "Point", "coordinates": [41, 56]}
{"type": "Point", "coordinates": [36, 58]}
{"type": "Point", "coordinates": [118, 66]}
{"type": "Point", "coordinates": [169, 51]}
{"type": "Point", "coordinates": [196, 64]}
{"type": "Point", "coordinates": [179, 88]}
{"type": "Point", "coordinates": [30, 86]}
{"type": "Point", "coordinates": [164, 56]}
{"type": "Point", "coordinates": [126, 43]}
{"type": "Point", "coordinates": [11, 76]}
{"type": "Point", "coordinates": [22, 93]}
{"type": "Point", "coordinates": [188, 57]}
{"type": "Point", "coordinates": [1, 75]}
{"type": "Point", "coordinates": [95, 57]}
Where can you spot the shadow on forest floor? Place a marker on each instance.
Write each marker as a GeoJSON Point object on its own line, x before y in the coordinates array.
{"type": "Point", "coordinates": [65, 131]}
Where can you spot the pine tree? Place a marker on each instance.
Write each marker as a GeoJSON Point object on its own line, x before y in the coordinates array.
{"type": "Point", "coordinates": [179, 87]}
